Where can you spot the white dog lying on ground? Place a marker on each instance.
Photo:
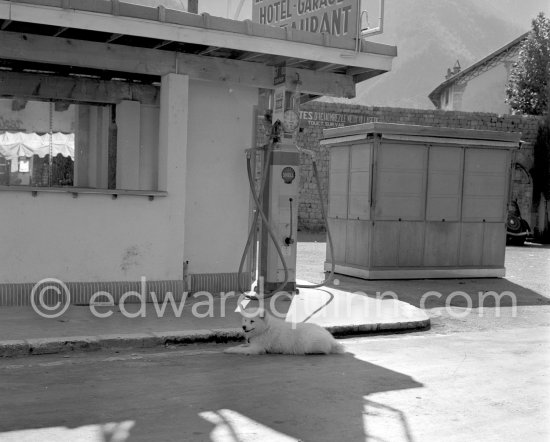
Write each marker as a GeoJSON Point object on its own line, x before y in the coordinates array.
{"type": "Point", "coordinates": [267, 334]}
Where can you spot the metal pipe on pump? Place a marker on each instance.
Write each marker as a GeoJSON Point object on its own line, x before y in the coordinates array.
{"type": "Point", "coordinates": [277, 200]}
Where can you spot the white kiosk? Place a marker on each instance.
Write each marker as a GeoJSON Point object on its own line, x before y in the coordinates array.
{"type": "Point", "coordinates": [411, 201]}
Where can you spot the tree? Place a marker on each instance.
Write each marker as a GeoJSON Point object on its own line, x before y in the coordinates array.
{"type": "Point", "coordinates": [541, 179]}
{"type": "Point", "coordinates": [528, 93]}
{"type": "Point", "coordinates": [529, 86]}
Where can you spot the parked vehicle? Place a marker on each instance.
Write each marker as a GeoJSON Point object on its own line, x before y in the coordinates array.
{"type": "Point", "coordinates": [517, 229]}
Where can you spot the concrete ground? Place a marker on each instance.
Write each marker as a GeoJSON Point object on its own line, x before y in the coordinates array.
{"type": "Point", "coordinates": [522, 297]}
{"type": "Point", "coordinates": [479, 374]}
{"type": "Point", "coordinates": [24, 332]}
{"type": "Point", "coordinates": [469, 386]}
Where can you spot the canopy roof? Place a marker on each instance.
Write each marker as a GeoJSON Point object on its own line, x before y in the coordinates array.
{"type": "Point", "coordinates": [225, 47]}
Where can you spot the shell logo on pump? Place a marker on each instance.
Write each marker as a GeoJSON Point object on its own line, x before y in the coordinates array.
{"type": "Point", "coordinates": [288, 174]}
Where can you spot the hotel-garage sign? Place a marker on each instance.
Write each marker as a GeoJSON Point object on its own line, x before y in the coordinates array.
{"type": "Point", "coordinates": [335, 17]}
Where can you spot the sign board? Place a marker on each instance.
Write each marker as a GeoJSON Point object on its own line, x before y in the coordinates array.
{"type": "Point", "coordinates": [279, 76]}
{"type": "Point", "coordinates": [334, 119]}
{"type": "Point", "coordinates": [335, 17]}
{"type": "Point", "coordinates": [279, 103]}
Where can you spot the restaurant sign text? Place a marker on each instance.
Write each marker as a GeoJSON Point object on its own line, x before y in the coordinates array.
{"type": "Point", "coordinates": [335, 17]}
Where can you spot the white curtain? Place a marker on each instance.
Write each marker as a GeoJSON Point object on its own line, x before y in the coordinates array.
{"type": "Point", "coordinates": [21, 144]}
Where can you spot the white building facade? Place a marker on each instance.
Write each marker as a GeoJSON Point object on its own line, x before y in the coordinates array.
{"type": "Point", "coordinates": [162, 106]}
{"type": "Point", "coordinates": [480, 87]}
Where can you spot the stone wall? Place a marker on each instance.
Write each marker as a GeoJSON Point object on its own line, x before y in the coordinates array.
{"type": "Point", "coordinates": [317, 116]}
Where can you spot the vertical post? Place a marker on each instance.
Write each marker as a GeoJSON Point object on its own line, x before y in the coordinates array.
{"type": "Point", "coordinates": [95, 124]}
{"type": "Point", "coordinates": [172, 153]}
{"type": "Point", "coordinates": [82, 146]}
{"type": "Point", "coordinates": [193, 6]}
{"type": "Point", "coordinates": [111, 150]}
{"type": "Point", "coordinates": [50, 156]}
{"type": "Point", "coordinates": [128, 121]}
{"type": "Point", "coordinates": [101, 174]}
{"type": "Point", "coordinates": [173, 121]}
{"type": "Point", "coordinates": [97, 146]}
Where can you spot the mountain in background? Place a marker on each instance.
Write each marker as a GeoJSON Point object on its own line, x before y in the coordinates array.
{"type": "Point", "coordinates": [431, 35]}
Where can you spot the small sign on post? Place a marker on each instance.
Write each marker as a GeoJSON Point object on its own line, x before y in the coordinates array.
{"type": "Point", "coordinates": [279, 103]}
{"type": "Point", "coordinates": [279, 76]}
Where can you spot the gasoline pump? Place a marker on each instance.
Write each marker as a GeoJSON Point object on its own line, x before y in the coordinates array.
{"type": "Point", "coordinates": [276, 200]}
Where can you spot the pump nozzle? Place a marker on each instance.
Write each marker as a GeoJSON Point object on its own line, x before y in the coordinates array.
{"type": "Point", "coordinates": [289, 240]}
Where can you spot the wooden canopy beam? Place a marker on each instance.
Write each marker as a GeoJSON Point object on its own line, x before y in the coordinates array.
{"type": "Point", "coordinates": [163, 43]}
{"type": "Point", "coordinates": [224, 34]}
{"type": "Point", "coordinates": [25, 86]}
{"type": "Point", "coordinates": [249, 56]}
{"type": "Point", "coordinates": [209, 50]}
{"type": "Point", "coordinates": [154, 62]}
{"type": "Point", "coordinates": [60, 31]}
{"type": "Point", "coordinates": [114, 37]}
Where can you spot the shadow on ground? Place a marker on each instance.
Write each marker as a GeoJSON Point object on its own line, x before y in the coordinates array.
{"type": "Point", "coordinates": [209, 397]}
{"type": "Point", "coordinates": [527, 276]}
{"type": "Point", "coordinates": [433, 293]}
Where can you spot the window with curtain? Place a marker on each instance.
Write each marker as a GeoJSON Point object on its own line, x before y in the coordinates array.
{"type": "Point", "coordinates": [57, 144]}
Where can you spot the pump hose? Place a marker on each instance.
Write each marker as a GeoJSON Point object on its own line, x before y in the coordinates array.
{"type": "Point", "coordinates": [254, 222]}
{"type": "Point", "coordinates": [259, 211]}
{"type": "Point", "coordinates": [265, 221]}
{"type": "Point", "coordinates": [329, 236]}
{"type": "Point", "coordinates": [266, 224]}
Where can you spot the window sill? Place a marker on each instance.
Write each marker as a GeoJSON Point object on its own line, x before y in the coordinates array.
{"type": "Point", "coordinates": [76, 191]}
